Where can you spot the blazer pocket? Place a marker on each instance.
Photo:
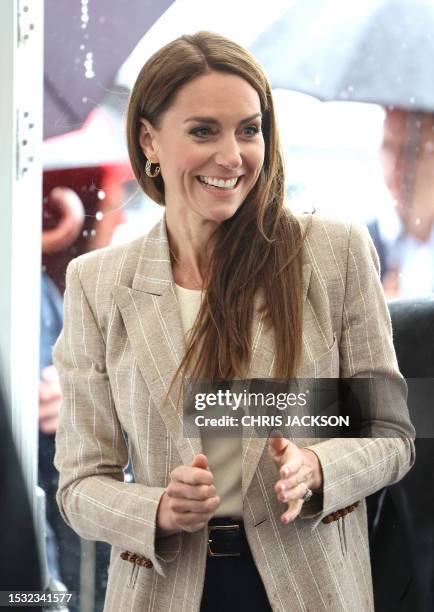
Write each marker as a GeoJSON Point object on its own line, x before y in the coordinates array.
{"type": "Point", "coordinates": [324, 366]}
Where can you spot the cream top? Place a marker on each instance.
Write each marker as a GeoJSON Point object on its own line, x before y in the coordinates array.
{"type": "Point", "coordinates": [224, 454]}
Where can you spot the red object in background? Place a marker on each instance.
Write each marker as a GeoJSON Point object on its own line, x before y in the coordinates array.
{"type": "Point", "coordinates": [101, 189]}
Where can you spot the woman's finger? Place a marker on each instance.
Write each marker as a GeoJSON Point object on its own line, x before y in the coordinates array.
{"type": "Point", "coordinates": [295, 493]}
{"type": "Point", "coordinates": [283, 486]}
{"type": "Point", "coordinates": [294, 509]}
{"type": "Point", "coordinates": [207, 506]}
{"type": "Point", "coordinates": [184, 491]}
{"type": "Point", "coordinates": [277, 445]}
{"type": "Point", "coordinates": [192, 475]}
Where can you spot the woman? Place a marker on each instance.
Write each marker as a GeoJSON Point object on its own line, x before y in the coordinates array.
{"type": "Point", "coordinates": [228, 285]}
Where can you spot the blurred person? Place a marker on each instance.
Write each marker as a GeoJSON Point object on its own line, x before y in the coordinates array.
{"type": "Point", "coordinates": [229, 284]}
{"type": "Point", "coordinates": [20, 568]}
{"type": "Point", "coordinates": [71, 224]}
{"type": "Point", "coordinates": [63, 219]}
{"type": "Point", "coordinates": [403, 230]}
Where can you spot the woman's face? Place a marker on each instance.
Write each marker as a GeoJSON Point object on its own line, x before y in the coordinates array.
{"type": "Point", "coordinates": [209, 146]}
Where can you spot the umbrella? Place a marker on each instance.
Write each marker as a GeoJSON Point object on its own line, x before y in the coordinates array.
{"type": "Point", "coordinates": [86, 42]}
{"type": "Point", "coordinates": [227, 18]}
{"type": "Point", "coordinates": [378, 51]}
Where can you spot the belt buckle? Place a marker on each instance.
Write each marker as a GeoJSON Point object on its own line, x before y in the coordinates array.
{"type": "Point", "coordinates": [212, 528]}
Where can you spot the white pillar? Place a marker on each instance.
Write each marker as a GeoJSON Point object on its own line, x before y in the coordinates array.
{"type": "Point", "coordinates": [21, 78]}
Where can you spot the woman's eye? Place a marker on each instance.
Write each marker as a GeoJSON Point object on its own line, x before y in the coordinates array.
{"type": "Point", "coordinates": [252, 130]}
{"type": "Point", "coordinates": [201, 132]}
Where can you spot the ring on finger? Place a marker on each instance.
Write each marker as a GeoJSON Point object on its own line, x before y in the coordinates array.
{"type": "Point", "coordinates": [308, 494]}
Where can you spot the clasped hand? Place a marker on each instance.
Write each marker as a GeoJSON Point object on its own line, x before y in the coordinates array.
{"type": "Point", "coordinates": [299, 470]}
{"type": "Point", "coordinates": [190, 500]}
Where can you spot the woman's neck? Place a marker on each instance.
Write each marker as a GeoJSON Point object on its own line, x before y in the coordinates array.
{"type": "Point", "coordinates": [190, 250]}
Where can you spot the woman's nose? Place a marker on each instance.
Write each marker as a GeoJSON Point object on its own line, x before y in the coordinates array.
{"type": "Point", "coordinates": [229, 154]}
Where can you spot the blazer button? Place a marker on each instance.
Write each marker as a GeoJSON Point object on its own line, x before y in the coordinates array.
{"type": "Point", "coordinates": [328, 519]}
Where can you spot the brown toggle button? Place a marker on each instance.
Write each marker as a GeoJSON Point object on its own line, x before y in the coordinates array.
{"type": "Point", "coordinates": [137, 559]}
{"type": "Point", "coordinates": [335, 516]}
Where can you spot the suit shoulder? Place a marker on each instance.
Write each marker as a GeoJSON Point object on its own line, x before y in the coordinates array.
{"type": "Point", "coordinates": [336, 233]}
{"type": "Point", "coordinates": [317, 226]}
{"type": "Point", "coordinates": [107, 260]}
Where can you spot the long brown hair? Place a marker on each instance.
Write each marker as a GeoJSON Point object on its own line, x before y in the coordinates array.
{"type": "Point", "coordinates": [256, 251]}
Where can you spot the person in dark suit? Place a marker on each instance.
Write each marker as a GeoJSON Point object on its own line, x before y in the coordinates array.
{"type": "Point", "coordinates": [19, 555]}
{"type": "Point", "coordinates": [402, 516]}
{"type": "Point", "coordinates": [401, 522]}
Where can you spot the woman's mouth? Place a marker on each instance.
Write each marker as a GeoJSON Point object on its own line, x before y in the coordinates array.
{"type": "Point", "coordinates": [218, 184]}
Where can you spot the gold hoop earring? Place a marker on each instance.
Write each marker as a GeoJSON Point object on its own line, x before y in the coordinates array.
{"type": "Point", "coordinates": [148, 169]}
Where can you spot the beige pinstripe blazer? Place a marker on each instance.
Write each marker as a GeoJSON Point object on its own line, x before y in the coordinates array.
{"type": "Point", "coordinates": [116, 356]}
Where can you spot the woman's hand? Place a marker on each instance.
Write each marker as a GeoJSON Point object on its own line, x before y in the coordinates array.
{"type": "Point", "coordinates": [190, 499]}
{"type": "Point", "coordinates": [299, 470]}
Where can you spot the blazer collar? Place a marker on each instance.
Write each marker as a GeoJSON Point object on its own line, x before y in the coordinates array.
{"type": "Point", "coordinates": [150, 312]}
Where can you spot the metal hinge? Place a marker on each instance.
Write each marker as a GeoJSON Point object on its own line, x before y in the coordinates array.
{"type": "Point", "coordinates": [26, 25]}
{"type": "Point", "coordinates": [26, 142]}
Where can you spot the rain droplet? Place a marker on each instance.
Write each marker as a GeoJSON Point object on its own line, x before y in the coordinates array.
{"type": "Point", "coordinates": [83, 26]}
{"type": "Point", "coordinates": [404, 45]}
{"type": "Point", "coordinates": [350, 88]}
{"type": "Point", "coordinates": [93, 233]}
{"type": "Point", "coordinates": [82, 47]}
{"type": "Point", "coordinates": [99, 216]}
{"type": "Point", "coordinates": [84, 100]}
{"type": "Point", "coordinates": [412, 100]}
{"type": "Point", "coordinates": [89, 74]}
{"type": "Point", "coordinates": [101, 195]}
{"type": "Point", "coordinates": [85, 232]}
{"type": "Point", "coordinates": [84, 18]}
{"type": "Point", "coordinates": [89, 55]}
{"type": "Point", "coordinates": [417, 221]}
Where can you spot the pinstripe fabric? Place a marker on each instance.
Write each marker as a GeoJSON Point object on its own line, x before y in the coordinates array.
{"type": "Point", "coordinates": [116, 356]}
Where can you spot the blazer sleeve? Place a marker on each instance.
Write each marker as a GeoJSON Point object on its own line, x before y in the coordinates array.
{"type": "Point", "coordinates": [91, 452]}
{"type": "Point", "coordinates": [354, 468]}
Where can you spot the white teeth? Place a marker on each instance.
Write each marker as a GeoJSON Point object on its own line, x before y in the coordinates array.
{"type": "Point", "coordinates": [229, 184]}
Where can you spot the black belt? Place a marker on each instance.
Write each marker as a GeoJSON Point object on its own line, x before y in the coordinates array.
{"type": "Point", "coordinates": [226, 538]}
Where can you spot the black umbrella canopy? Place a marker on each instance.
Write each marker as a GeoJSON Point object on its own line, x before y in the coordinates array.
{"type": "Point", "coordinates": [378, 51]}
{"type": "Point", "coordinates": [86, 42]}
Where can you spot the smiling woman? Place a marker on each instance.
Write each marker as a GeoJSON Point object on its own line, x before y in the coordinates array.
{"type": "Point", "coordinates": [208, 164]}
{"type": "Point", "coordinates": [228, 285]}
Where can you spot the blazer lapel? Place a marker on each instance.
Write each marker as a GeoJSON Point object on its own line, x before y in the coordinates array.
{"type": "Point", "coordinates": [152, 320]}
{"type": "Point", "coordinates": [261, 367]}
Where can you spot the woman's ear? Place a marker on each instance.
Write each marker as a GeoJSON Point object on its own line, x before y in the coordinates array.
{"type": "Point", "coordinates": [146, 139]}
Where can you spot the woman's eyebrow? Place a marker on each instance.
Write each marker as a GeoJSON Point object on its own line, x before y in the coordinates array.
{"type": "Point", "coordinates": [214, 121]}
